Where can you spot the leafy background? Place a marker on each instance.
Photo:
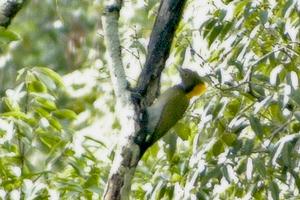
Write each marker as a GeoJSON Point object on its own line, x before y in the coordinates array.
{"type": "Point", "coordinates": [240, 139]}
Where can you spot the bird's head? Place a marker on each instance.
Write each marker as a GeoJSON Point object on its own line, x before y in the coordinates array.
{"type": "Point", "coordinates": [192, 83]}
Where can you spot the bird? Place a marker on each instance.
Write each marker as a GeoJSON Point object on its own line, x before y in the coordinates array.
{"type": "Point", "coordinates": [171, 105]}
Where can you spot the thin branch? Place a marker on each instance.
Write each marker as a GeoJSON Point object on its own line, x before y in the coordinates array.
{"type": "Point", "coordinates": [112, 41]}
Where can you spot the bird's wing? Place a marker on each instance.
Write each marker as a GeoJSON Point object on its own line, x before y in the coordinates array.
{"type": "Point", "coordinates": [168, 109]}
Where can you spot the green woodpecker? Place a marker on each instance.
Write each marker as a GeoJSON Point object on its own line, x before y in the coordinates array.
{"type": "Point", "coordinates": [172, 104]}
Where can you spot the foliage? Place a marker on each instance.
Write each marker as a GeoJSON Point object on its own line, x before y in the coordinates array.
{"type": "Point", "coordinates": [243, 134]}
{"type": "Point", "coordinates": [239, 140]}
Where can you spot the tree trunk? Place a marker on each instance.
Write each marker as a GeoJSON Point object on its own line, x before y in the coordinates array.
{"type": "Point", "coordinates": [129, 105]}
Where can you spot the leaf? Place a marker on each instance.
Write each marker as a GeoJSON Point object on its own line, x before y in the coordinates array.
{"type": "Point", "coordinates": [286, 154]}
{"type": "Point", "coordinates": [7, 36]}
{"type": "Point", "coordinates": [50, 84]}
{"type": "Point", "coordinates": [182, 130]}
{"type": "Point", "coordinates": [226, 173]}
{"type": "Point", "coordinates": [241, 167]}
{"type": "Point", "coordinates": [179, 56]}
{"type": "Point", "coordinates": [256, 126]}
{"type": "Point", "coordinates": [25, 129]}
{"type": "Point", "coordinates": [274, 189]}
{"type": "Point", "coordinates": [286, 7]}
{"type": "Point", "coordinates": [21, 73]}
{"type": "Point", "coordinates": [297, 115]}
{"type": "Point", "coordinates": [232, 108]}
{"type": "Point", "coordinates": [65, 114]}
{"type": "Point", "coordinates": [247, 147]}
{"type": "Point", "coordinates": [46, 96]}
{"type": "Point", "coordinates": [37, 86]}
{"type": "Point", "coordinates": [219, 107]}
{"type": "Point", "coordinates": [229, 138]}
{"type": "Point", "coordinates": [8, 105]}
{"type": "Point", "coordinates": [18, 115]}
{"type": "Point", "coordinates": [227, 27]}
{"type": "Point", "coordinates": [42, 112]}
{"type": "Point", "coordinates": [263, 15]}
{"type": "Point", "coordinates": [50, 73]}
{"type": "Point", "coordinates": [218, 148]}
{"type": "Point", "coordinates": [259, 165]}
{"type": "Point", "coordinates": [47, 104]}
{"type": "Point", "coordinates": [95, 140]}
{"type": "Point", "coordinates": [170, 147]}
{"type": "Point", "coordinates": [212, 173]}
{"type": "Point", "coordinates": [276, 112]}
{"type": "Point", "coordinates": [295, 96]}
{"type": "Point", "coordinates": [54, 123]}
{"type": "Point", "coordinates": [239, 8]}
{"type": "Point", "coordinates": [214, 34]}
{"type": "Point", "coordinates": [207, 26]}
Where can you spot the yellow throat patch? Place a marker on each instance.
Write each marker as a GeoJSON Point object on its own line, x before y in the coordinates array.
{"type": "Point", "coordinates": [197, 90]}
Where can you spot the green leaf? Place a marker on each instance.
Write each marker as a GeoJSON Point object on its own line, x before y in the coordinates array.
{"type": "Point", "coordinates": [218, 148]}
{"type": "Point", "coordinates": [214, 34]}
{"type": "Point", "coordinates": [207, 26]}
{"type": "Point", "coordinates": [226, 29]}
{"type": "Point", "coordinates": [296, 96]}
{"type": "Point", "coordinates": [18, 115]}
{"type": "Point", "coordinates": [171, 141]}
{"type": "Point", "coordinates": [95, 140]}
{"type": "Point", "coordinates": [50, 84]}
{"type": "Point", "coordinates": [263, 15]}
{"type": "Point", "coordinates": [54, 123]}
{"type": "Point", "coordinates": [65, 114]}
{"type": "Point", "coordinates": [49, 105]}
{"type": "Point", "coordinates": [182, 130]}
{"type": "Point", "coordinates": [37, 86]}
{"type": "Point", "coordinates": [239, 8]}
{"type": "Point", "coordinates": [259, 165]}
{"type": "Point", "coordinates": [286, 154]}
{"type": "Point", "coordinates": [256, 126]}
{"type": "Point", "coordinates": [276, 112]}
{"type": "Point", "coordinates": [226, 173]}
{"type": "Point", "coordinates": [8, 105]}
{"type": "Point", "coordinates": [247, 147]}
{"type": "Point", "coordinates": [274, 189]}
{"type": "Point", "coordinates": [50, 73]}
{"type": "Point", "coordinates": [7, 36]}
{"type": "Point", "coordinates": [229, 138]}
{"type": "Point", "coordinates": [241, 167]}
{"type": "Point", "coordinates": [287, 5]}
{"type": "Point", "coordinates": [21, 73]}
{"type": "Point", "coordinates": [219, 107]}
{"type": "Point", "coordinates": [212, 173]}
{"type": "Point", "coordinates": [25, 129]}
{"type": "Point", "coordinates": [232, 108]}
{"type": "Point", "coordinates": [297, 115]}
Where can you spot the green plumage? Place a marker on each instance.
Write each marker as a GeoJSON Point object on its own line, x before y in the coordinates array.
{"type": "Point", "coordinates": [170, 106]}
{"type": "Point", "coordinates": [166, 111]}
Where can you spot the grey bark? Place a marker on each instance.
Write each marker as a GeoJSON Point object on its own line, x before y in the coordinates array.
{"type": "Point", "coordinates": [8, 10]}
{"type": "Point", "coordinates": [133, 102]}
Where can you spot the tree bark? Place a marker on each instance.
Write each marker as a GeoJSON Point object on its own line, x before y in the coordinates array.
{"type": "Point", "coordinates": [8, 9]}
{"type": "Point", "coordinates": [130, 105]}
